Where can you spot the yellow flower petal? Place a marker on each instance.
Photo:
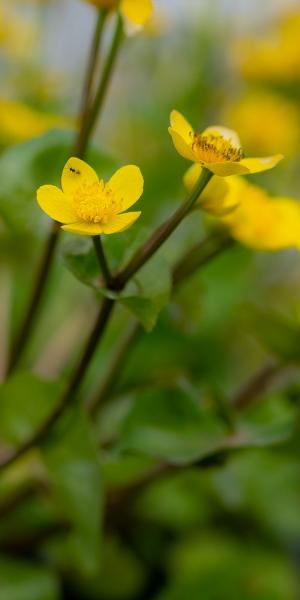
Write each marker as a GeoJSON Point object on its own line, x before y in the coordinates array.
{"type": "Point", "coordinates": [256, 165]}
{"type": "Point", "coordinates": [127, 184]}
{"type": "Point", "coordinates": [137, 11]}
{"type": "Point", "coordinates": [181, 126]}
{"type": "Point", "coordinates": [121, 222]}
{"type": "Point", "coordinates": [214, 197]}
{"type": "Point", "coordinates": [224, 169]}
{"type": "Point", "coordinates": [56, 204]}
{"type": "Point", "coordinates": [227, 134]}
{"type": "Point", "coordinates": [75, 173]}
{"type": "Point", "coordinates": [116, 224]}
{"type": "Point", "coordinates": [181, 145]}
{"type": "Point", "coordinates": [83, 228]}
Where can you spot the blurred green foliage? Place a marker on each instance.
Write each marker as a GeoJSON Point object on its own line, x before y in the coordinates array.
{"type": "Point", "coordinates": [173, 493]}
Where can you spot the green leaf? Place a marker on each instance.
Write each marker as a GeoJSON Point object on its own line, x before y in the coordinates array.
{"type": "Point", "coordinates": [25, 402]}
{"type": "Point", "coordinates": [72, 460]}
{"type": "Point", "coordinates": [25, 581]}
{"type": "Point", "coordinates": [26, 166]}
{"type": "Point", "coordinates": [80, 259]}
{"type": "Point", "coordinates": [277, 333]}
{"type": "Point", "coordinates": [145, 296]}
{"type": "Point", "coordinates": [154, 284]}
{"type": "Point", "coordinates": [169, 425]}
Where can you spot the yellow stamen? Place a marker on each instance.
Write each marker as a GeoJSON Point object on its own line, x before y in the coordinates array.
{"type": "Point", "coordinates": [213, 148]}
{"type": "Point", "coordinates": [95, 203]}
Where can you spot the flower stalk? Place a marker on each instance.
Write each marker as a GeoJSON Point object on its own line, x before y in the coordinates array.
{"type": "Point", "coordinates": [87, 126]}
{"type": "Point", "coordinates": [102, 259]}
{"type": "Point", "coordinates": [117, 284]}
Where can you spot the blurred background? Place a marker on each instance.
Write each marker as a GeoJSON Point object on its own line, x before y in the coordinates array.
{"type": "Point", "coordinates": [195, 491]}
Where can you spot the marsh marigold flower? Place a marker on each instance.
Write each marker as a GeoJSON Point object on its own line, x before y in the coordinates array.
{"type": "Point", "coordinates": [266, 121]}
{"type": "Point", "coordinates": [218, 149]}
{"type": "Point", "coordinates": [136, 11]}
{"type": "Point", "coordinates": [251, 216]}
{"type": "Point", "coordinates": [20, 122]}
{"type": "Point", "coordinates": [87, 205]}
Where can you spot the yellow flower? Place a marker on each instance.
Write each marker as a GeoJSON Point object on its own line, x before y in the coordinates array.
{"type": "Point", "coordinates": [217, 149]}
{"type": "Point", "coordinates": [214, 198]}
{"type": "Point", "coordinates": [249, 213]}
{"type": "Point", "coordinates": [136, 11]}
{"type": "Point", "coordinates": [20, 122]}
{"type": "Point", "coordinates": [275, 57]}
{"type": "Point", "coordinates": [261, 222]}
{"type": "Point", "coordinates": [279, 116]}
{"type": "Point", "coordinates": [87, 205]}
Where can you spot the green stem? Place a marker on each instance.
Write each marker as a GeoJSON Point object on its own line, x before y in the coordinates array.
{"type": "Point", "coordinates": [193, 260]}
{"type": "Point", "coordinates": [79, 373]}
{"type": "Point", "coordinates": [127, 341]}
{"type": "Point", "coordinates": [27, 326]}
{"type": "Point", "coordinates": [102, 259]}
{"type": "Point", "coordinates": [105, 80]}
{"type": "Point", "coordinates": [144, 253]}
{"type": "Point", "coordinates": [153, 244]}
{"type": "Point", "coordinates": [28, 323]}
{"type": "Point", "coordinates": [91, 70]}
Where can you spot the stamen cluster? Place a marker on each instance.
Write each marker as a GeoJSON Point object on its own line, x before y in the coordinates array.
{"type": "Point", "coordinates": [95, 203]}
{"type": "Point", "coordinates": [212, 148]}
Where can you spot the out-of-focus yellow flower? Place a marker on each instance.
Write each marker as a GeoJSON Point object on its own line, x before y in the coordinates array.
{"type": "Point", "coordinates": [19, 122]}
{"type": "Point", "coordinates": [266, 122]}
{"type": "Point", "coordinates": [215, 197]}
{"type": "Point", "coordinates": [249, 213]}
{"type": "Point", "coordinates": [276, 57]}
{"type": "Point", "coordinates": [261, 222]}
{"type": "Point", "coordinates": [17, 35]}
{"type": "Point", "coordinates": [218, 149]}
{"type": "Point", "coordinates": [136, 11]}
{"type": "Point", "coordinates": [87, 205]}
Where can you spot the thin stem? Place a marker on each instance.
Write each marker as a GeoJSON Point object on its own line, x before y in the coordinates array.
{"type": "Point", "coordinates": [122, 352]}
{"type": "Point", "coordinates": [199, 255]}
{"type": "Point", "coordinates": [143, 254]}
{"type": "Point", "coordinates": [193, 260]}
{"type": "Point", "coordinates": [256, 386]}
{"type": "Point", "coordinates": [91, 67]}
{"type": "Point", "coordinates": [103, 86]}
{"type": "Point", "coordinates": [146, 252]}
{"type": "Point", "coordinates": [102, 259]}
{"type": "Point", "coordinates": [23, 335]}
{"type": "Point", "coordinates": [27, 326]}
{"type": "Point", "coordinates": [67, 397]}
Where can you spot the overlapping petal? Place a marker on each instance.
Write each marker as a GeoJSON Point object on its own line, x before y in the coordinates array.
{"type": "Point", "coordinates": [75, 173]}
{"type": "Point", "coordinates": [56, 204]}
{"type": "Point", "coordinates": [127, 185]}
{"type": "Point", "coordinates": [224, 132]}
{"type": "Point", "coordinates": [227, 168]}
{"type": "Point", "coordinates": [121, 222]}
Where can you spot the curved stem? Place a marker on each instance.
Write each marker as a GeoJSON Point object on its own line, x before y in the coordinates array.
{"type": "Point", "coordinates": [79, 373]}
{"type": "Point", "coordinates": [23, 335]}
{"type": "Point", "coordinates": [27, 326]}
{"type": "Point", "coordinates": [102, 259]}
{"type": "Point", "coordinates": [120, 355]}
{"type": "Point", "coordinates": [155, 241]}
{"type": "Point", "coordinates": [153, 244]}
{"type": "Point", "coordinates": [193, 260]}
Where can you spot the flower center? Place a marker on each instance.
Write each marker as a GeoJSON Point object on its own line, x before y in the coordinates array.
{"type": "Point", "coordinates": [95, 203]}
{"type": "Point", "coordinates": [214, 148]}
